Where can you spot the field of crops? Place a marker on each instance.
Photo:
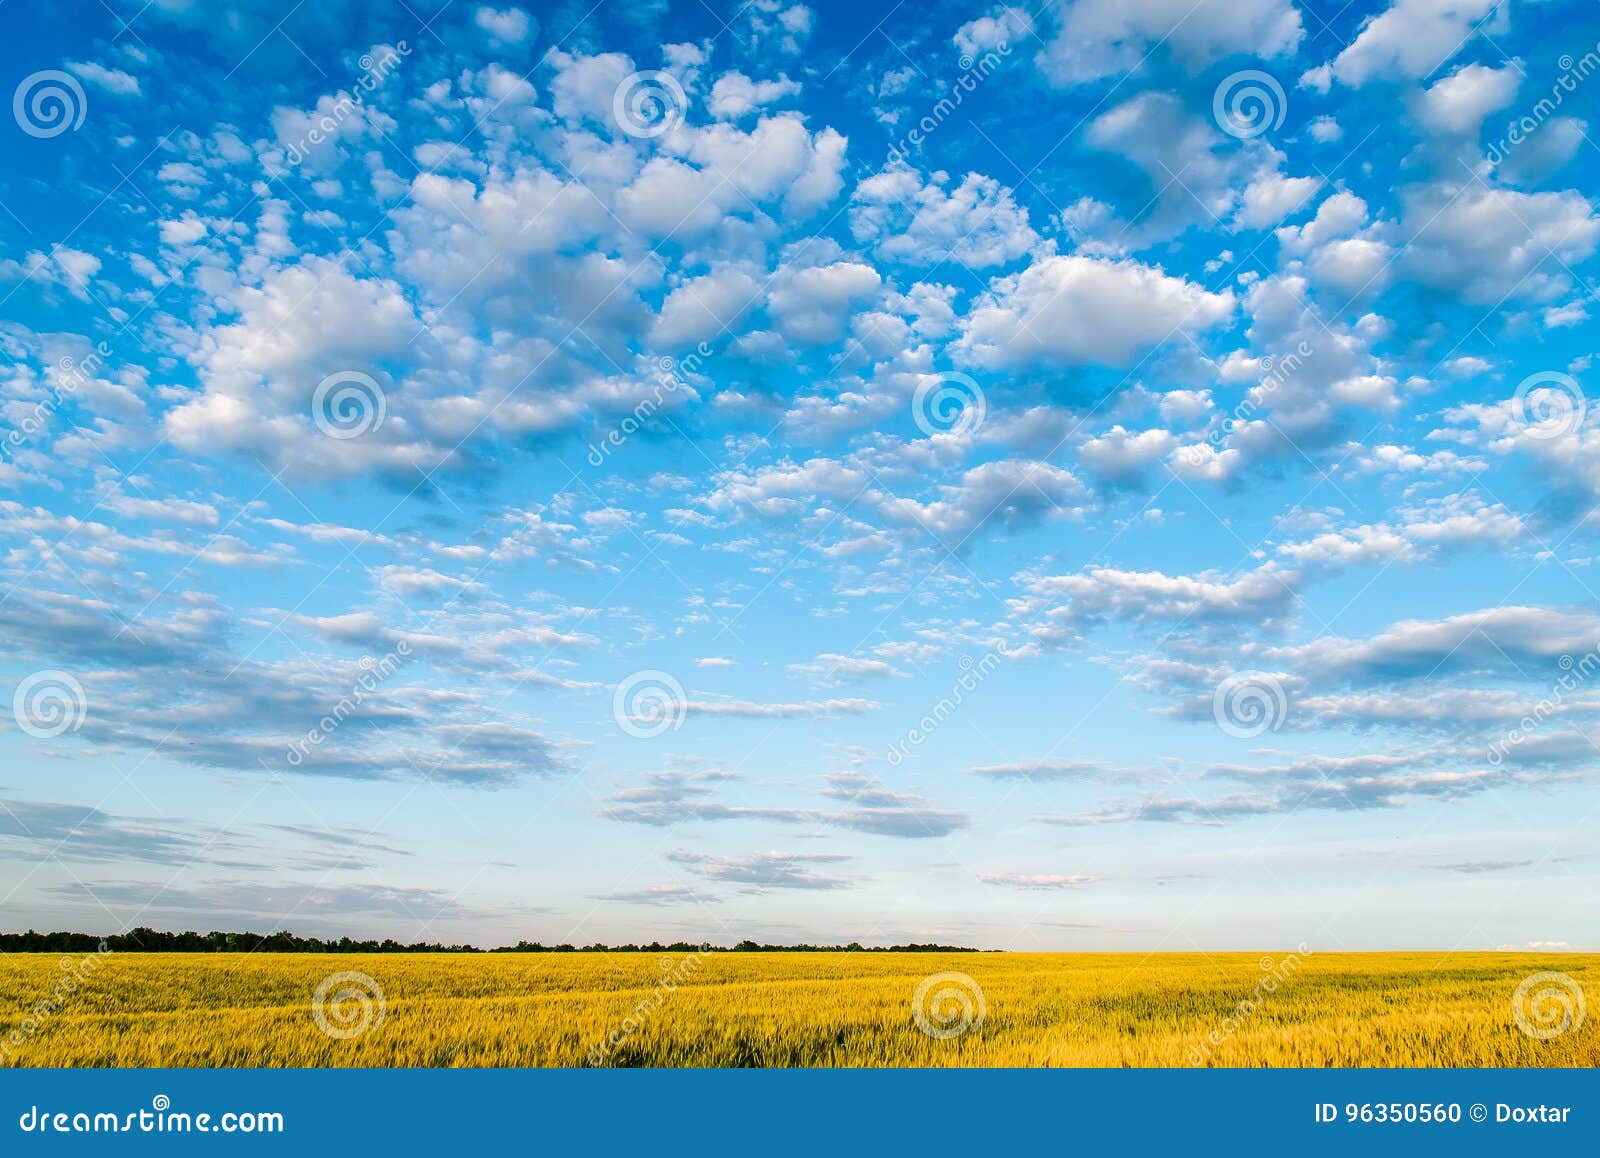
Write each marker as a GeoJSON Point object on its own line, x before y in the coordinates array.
{"type": "Point", "coordinates": [794, 1009]}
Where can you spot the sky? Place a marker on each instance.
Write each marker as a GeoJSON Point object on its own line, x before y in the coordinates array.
{"type": "Point", "coordinates": [1100, 475]}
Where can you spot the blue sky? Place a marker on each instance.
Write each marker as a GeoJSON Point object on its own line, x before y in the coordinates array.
{"type": "Point", "coordinates": [1083, 476]}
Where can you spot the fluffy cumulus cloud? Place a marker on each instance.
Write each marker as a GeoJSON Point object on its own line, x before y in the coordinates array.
{"type": "Point", "coordinates": [1195, 175]}
{"type": "Point", "coordinates": [1096, 39]}
{"type": "Point", "coordinates": [1489, 244]}
{"type": "Point", "coordinates": [976, 223]}
{"type": "Point", "coordinates": [1073, 311]}
{"type": "Point", "coordinates": [1408, 40]}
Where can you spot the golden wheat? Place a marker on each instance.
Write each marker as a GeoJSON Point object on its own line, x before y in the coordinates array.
{"type": "Point", "coordinates": [789, 1009]}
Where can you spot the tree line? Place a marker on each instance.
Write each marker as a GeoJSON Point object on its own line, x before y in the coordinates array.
{"type": "Point", "coordinates": [145, 940]}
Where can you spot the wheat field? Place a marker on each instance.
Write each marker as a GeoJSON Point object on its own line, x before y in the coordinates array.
{"type": "Point", "coordinates": [798, 1009]}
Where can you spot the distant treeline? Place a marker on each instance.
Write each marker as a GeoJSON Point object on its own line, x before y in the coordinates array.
{"type": "Point", "coordinates": [154, 941]}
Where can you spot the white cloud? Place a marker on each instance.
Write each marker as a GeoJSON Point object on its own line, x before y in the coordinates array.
{"type": "Point", "coordinates": [1073, 311]}
{"type": "Point", "coordinates": [113, 80]}
{"type": "Point", "coordinates": [1005, 26]}
{"type": "Point", "coordinates": [703, 307]}
{"type": "Point", "coordinates": [1409, 40]}
{"type": "Point", "coordinates": [735, 95]}
{"type": "Point", "coordinates": [505, 26]}
{"type": "Point", "coordinates": [976, 223]}
{"type": "Point", "coordinates": [1459, 103]}
{"type": "Point", "coordinates": [814, 304]}
{"type": "Point", "coordinates": [1487, 244]}
{"type": "Point", "coordinates": [1049, 882]}
{"type": "Point", "coordinates": [1101, 38]}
